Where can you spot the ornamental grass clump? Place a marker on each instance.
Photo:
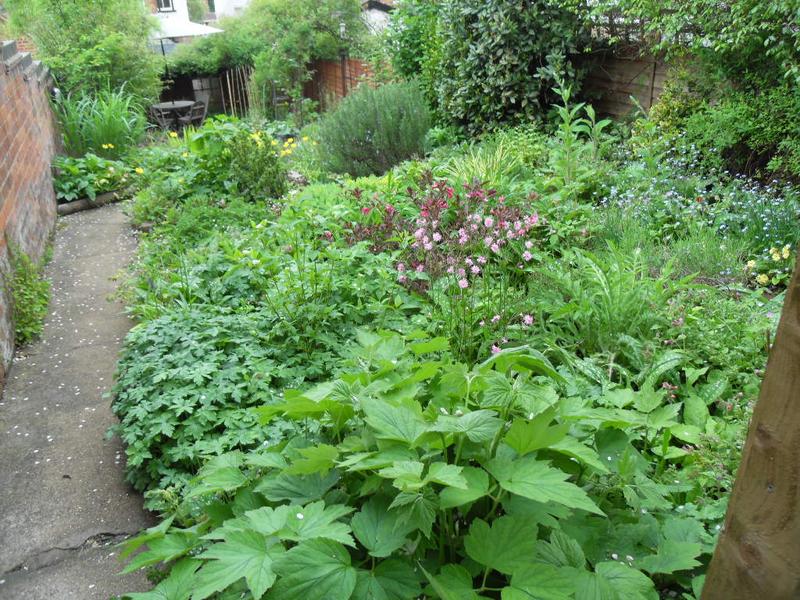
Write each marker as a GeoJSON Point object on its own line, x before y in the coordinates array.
{"type": "Point", "coordinates": [374, 129]}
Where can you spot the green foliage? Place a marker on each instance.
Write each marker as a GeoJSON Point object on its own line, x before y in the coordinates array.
{"type": "Point", "coordinates": [498, 59]}
{"type": "Point", "coordinates": [87, 177]}
{"type": "Point", "coordinates": [750, 40]}
{"type": "Point", "coordinates": [413, 475]}
{"type": "Point", "coordinates": [416, 43]}
{"type": "Point", "coordinates": [263, 311]}
{"type": "Point", "coordinates": [29, 292]}
{"type": "Point", "coordinates": [106, 123]}
{"type": "Point", "coordinates": [93, 46]}
{"type": "Point", "coordinates": [257, 167]}
{"type": "Point", "coordinates": [280, 39]}
{"type": "Point", "coordinates": [372, 130]}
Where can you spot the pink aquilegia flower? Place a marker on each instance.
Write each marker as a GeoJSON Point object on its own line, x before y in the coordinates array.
{"type": "Point", "coordinates": [495, 349]}
{"type": "Point", "coordinates": [437, 237]}
{"type": "Point", "coordinates": [488, 222]}
{"type": "Point", "coordinates": [463, 284]}
{"type": "Point", "coordinates": [366, 210]}
{"type": "Point", "coordinates": [482, 260]}
{"type": "Point", "coordinates": [494, 248]}
{"type": "Point", "coordinates": [527, 320]}
{"type": "Point", "coordinates": [475, 270]}
{"type": "Point", "coordinates": [528, 244]}
{"type": "Point", "coordinates": [420, 268]}
{"type": "Point", "coordinates": [527, 256]}
{"type": "Point", "coordinates": [427, 246]}
{"type": "Point", "coordinates": [402, 278]}
{"type": "Point", "coordinates": [401, 267]}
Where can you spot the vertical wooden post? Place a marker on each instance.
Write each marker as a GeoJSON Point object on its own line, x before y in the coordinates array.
{"type": "Point", "coordinates": [758, 554]}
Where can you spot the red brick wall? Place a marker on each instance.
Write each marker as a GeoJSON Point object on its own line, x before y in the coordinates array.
{"type": "Point", "coordinates": [28, 142]}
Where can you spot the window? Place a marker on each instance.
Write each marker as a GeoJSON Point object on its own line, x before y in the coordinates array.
{"type": "Point", "coordinates": [165, 6]}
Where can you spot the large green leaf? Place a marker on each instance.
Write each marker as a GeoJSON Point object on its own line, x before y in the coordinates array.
{"type": "Point", "coordinates": [575, 449]}
{"type": "Point", "coordinates": [537, 480]}
{"type": "Point", "coordinates": [627, 582]}
{"type": "Point", "coordinates": [390, 580]}
{"type": "Point", "coordinates": [528, 436]}
{"type": "Point", "coordinates": [314, 570]}
{"type": "Point", "coordinates": [539, 581]}
{"type": "Point", "coordinates": [316, 520]}
{"type": "Point", "coordinates": [452, 583]}
{"type": "Point", "coordinates": [398, 422]}
{"type": "Point", "coordinates": [671, 556]}
{"type": "Point", "coordinates": [378, 528]}
{"type": "Point", "coordinates": [562, 551]}
{"type": "Point", "coordinates": [478, 426]}
{"type": "Point", "coordinates": [316, 459]}
{"type": "Point", "coordinates": [295, 488]}
{"type": "Point", "coordinates": [178, 586]}
{"type": "Point", "coordinates": [507, 545]}
{"type": "Point", "coordinates": [477, 481]}
{"type": "Point", "coordinates": [241, 554]}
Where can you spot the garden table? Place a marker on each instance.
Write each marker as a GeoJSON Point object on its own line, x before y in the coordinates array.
{"type": "Point", "coordinates": [174, 108]}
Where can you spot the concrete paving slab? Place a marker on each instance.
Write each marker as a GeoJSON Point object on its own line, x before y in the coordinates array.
{"type": "Point", "coordinates": [64, 504]}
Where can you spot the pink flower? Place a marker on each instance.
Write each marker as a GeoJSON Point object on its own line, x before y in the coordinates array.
{"type": "Point", "coordinates": [494, 248]}
{"type": "Point", "coordinates": [461, 272]}
{"type": "Point", "coordinates": [402, 278]}
{"type": "Point", "coordinates": [475, 270]}
{"type": "Point", "coordinates": [527, 256]}
{"type": "Point", "coordinates": [420, 268]}
{"type": "Point", "coordinates": [482, 260]}
{"type": "Point", "coordinates": [463, 240]}
{"type": "Point", "coordinates": [473, 227]}
{"type": "Point", "coordinates": [419, 233]}
{"type": "Point", "coordinates": [450, 270]}
{"type": "Point", "coordinates": [366, 210]}
{"type": "Point", "coordinates": [401, 267]}
{"type": "Point", "coordinates": [482, 323]}
{"type": "Point", "coordinates": [527, 320]}
{"type": "Point", "coordinates": [488, 222]}
{"type": "Point", "coordinates": [390, 210]}
{"type": "Point", "coordinates": [468, 260]}
{"type": "Point", "coordinates": [463, 284]}
{"type": "Point", "coordinates": [528, 244]}
{"type": "Point", "coordinates": [428, 246]}
{"type": "Point", "coordinates": [437, 237]}
{"type": "Point", "coordinates": [449, 191]}
{"type": "Point", "coordinates": [488, 240]}
{"type": "Point", "coordinates": [495, 318]}
{"type": "Point", "coordinates": [495, 349]}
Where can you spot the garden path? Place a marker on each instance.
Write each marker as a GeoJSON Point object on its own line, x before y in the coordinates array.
{"type": "Point", "coordinates": [64, 504]}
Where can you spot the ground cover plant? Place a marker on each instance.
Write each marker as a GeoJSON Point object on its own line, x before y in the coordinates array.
{"type": "Point", "coordinates": [467, 361]}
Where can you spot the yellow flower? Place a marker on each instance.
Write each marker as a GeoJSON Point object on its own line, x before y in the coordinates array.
{"type": "Point", "coordinates": [110, 145]}
{"type": "Point", "coordinates": [274, 142]}
{"type": "Point", "coordinates": [289, 151]}
{"type": "Point", "coordinates": [104, 146]}
{"type": "Point", "coordinates": [785, 252]}
{"type": "Point", "coordinates": [750, 265]}
{"type": "Point", "coordinates": [776, 257]}
{"type": "Point", "coordinates": [773, 250]}
{"type": "Point", "coordinates": [173, 134]}
{"type": "Point", "coordinates": [305, 138]}
{"type": "Point", "coordinates": [762, 279]}
{"type": "Point", "coordinates": [139, 170]}
{"type": "Point", "coordinates": [290, 140]}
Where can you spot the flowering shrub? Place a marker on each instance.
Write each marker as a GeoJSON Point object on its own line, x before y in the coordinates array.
{"type": "Point", "coordinates": [468, 252]}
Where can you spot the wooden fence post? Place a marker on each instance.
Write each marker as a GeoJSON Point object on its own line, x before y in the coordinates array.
{"type": "Point", "coordinates": [758, 554]}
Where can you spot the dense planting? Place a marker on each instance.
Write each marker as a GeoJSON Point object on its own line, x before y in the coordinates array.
{"type": "Point", "coordinates": [522, 363]}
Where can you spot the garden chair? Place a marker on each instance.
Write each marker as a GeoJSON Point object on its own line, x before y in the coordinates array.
{"type": "Point", "coordinates": [195, 116]}
{"type": "Point", "coordinates": [164, 119]}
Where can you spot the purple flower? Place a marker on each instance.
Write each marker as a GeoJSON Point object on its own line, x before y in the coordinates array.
{"type": "Point", "coordinates": [463, 284]}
